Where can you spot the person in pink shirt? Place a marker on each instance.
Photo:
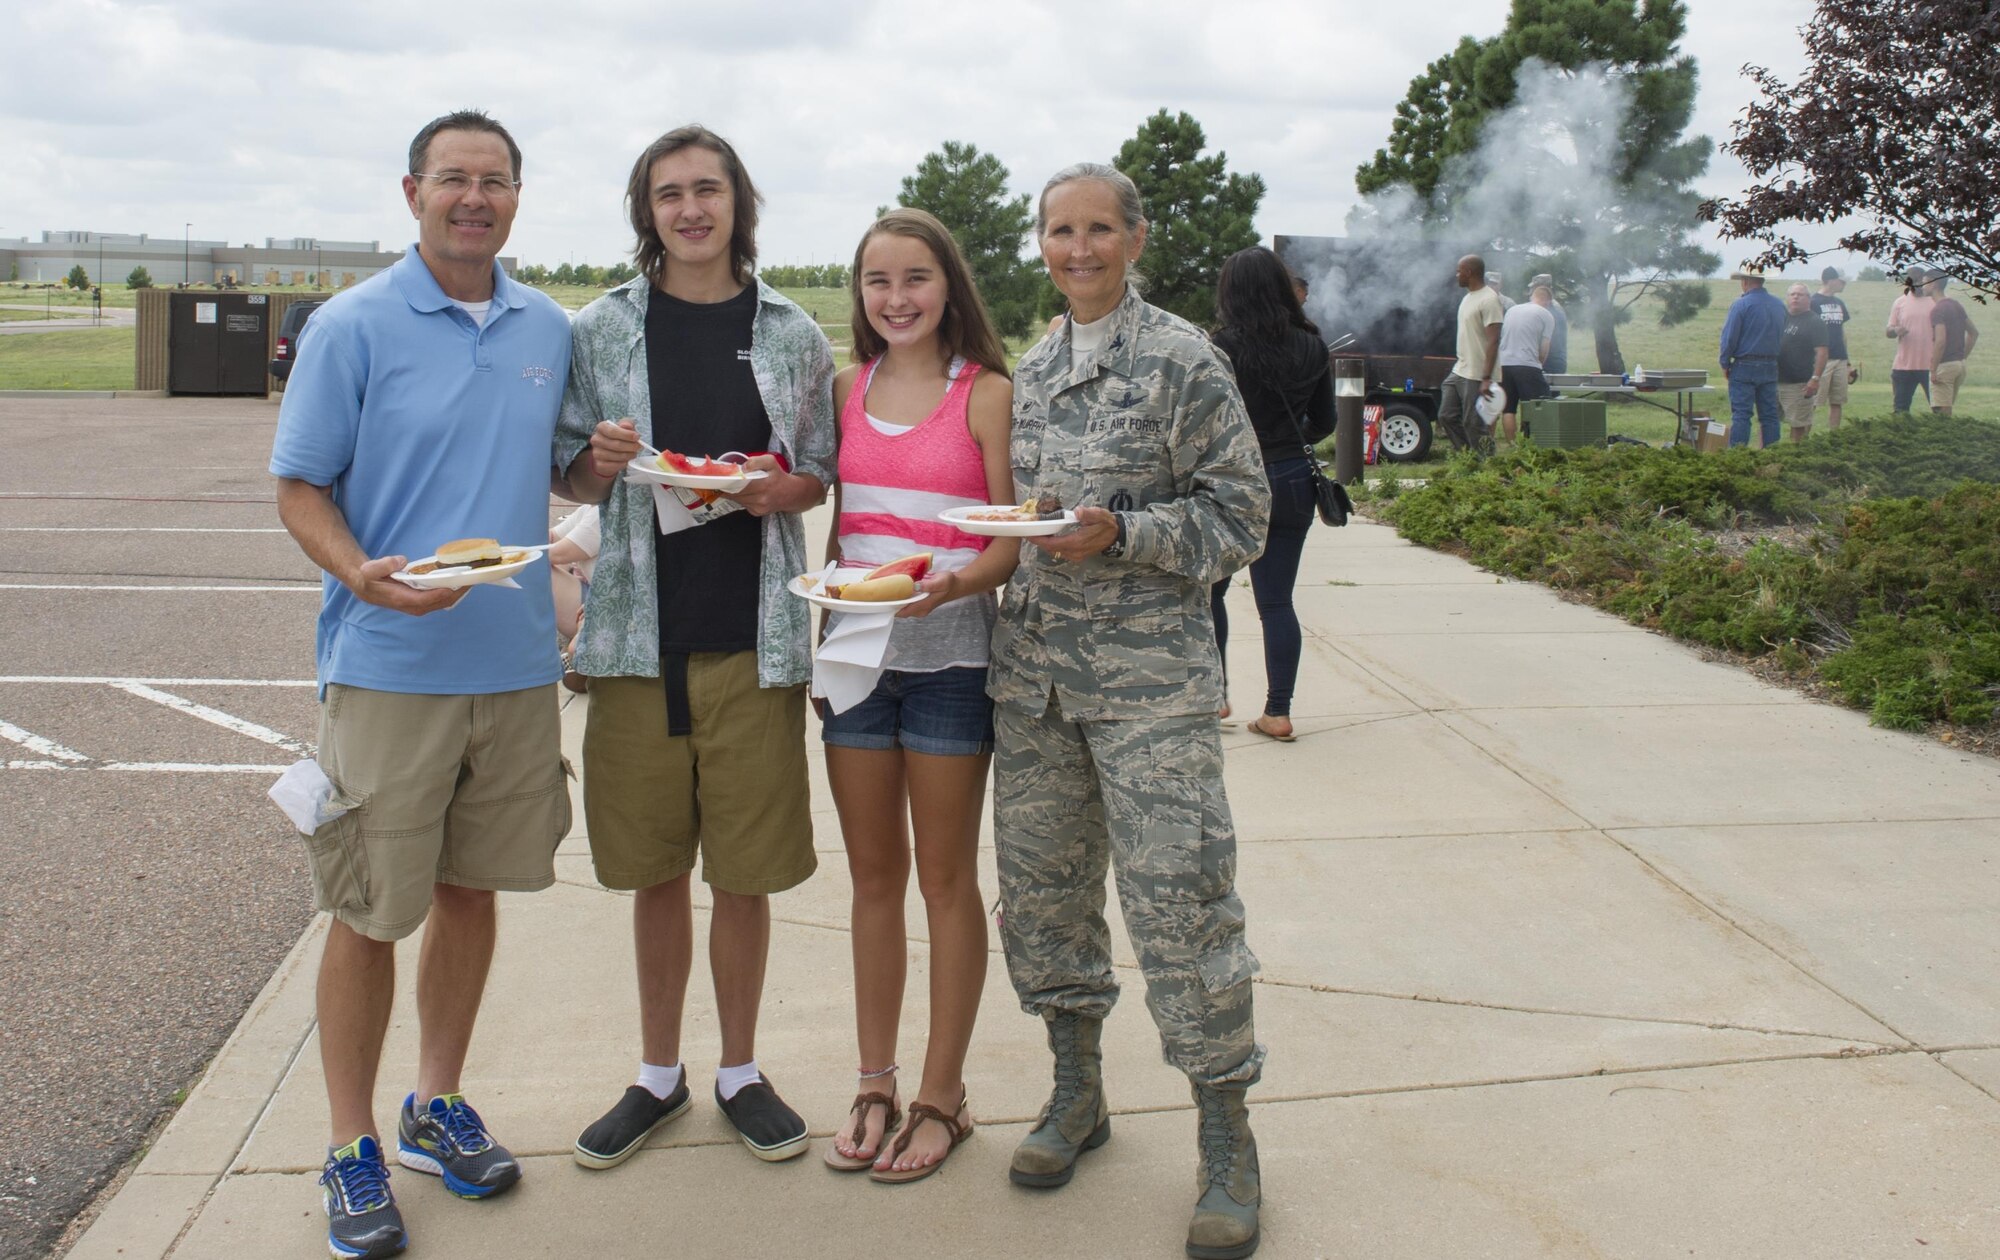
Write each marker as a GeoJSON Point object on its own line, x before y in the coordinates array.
{"type": "Point", "coordinates": [925, 420]}
{"type": "Point", "coordinates": [1910, 328]}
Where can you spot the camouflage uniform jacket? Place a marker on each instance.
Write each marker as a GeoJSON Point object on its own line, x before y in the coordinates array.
{"type": "Point", "coordinates": [793, 364]}
{"type": "Point", "coordinates": [1154, 430]}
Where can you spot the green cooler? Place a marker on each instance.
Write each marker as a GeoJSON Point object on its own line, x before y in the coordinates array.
{"type": "Point", "coordinates": [1566, 423]}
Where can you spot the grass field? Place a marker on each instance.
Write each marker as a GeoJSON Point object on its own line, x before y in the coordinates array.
{"type": "Point", "coordinates": [88, 358]}
{"type": "Point", "coordinates": [10, 316]}
{"type": "Point", "coordinates": [30, 360]}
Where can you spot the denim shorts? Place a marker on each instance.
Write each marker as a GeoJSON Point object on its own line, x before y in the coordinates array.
{"type": "Point", "coordinates": [944, 713]}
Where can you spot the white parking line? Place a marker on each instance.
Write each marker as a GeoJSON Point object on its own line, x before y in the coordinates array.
{"type": "Point", "coordinates": [36, 744]}
{"type": "Point", "coordinates": [234, 590]}
{"type": "Point", "coordinates": [151, 767]}
{"type": "Point", "coordinates": [227, 721]}
{"type": "Point", "coordinates": [157, 682]}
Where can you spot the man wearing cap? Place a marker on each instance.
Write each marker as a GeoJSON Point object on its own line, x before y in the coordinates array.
{"type": "Point", "coordinates": [1910, 328]}
{"type": "Point", "coordinates": [1840, 372]}
{"type": "Point", "coordinates": [1952, 338]}
{"type": "Point", "coordinates": [1750, 337]}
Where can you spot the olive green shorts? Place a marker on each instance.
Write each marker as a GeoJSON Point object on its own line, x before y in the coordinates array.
{"type": "Point", "coordinates": [465, 790]}
{"type": "Point", "coordinates": [733, 789]}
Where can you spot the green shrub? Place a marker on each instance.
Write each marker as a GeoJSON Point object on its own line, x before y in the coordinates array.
{"type": "Point", "coordinates": [1891, 592]}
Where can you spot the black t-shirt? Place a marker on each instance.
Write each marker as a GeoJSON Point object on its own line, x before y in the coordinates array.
{"type": "Point", "coordinates": [1833, 313]}
{"type": "Point", "coordinates": [1799, 346]}
{"type": "Point", "coordinates": [705, 402]}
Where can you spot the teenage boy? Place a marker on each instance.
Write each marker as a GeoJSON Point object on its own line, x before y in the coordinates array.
{"type": "Point", "coordinates": [421, 411]}
{"type": "Point", "coordinates": [1840, 371]}
{"type": "Point", "coordinates": [697, 657]}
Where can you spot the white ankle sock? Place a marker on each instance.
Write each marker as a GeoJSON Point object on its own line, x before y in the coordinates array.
{"type": "Point", "coordinates": [730, 1079]}
{"type": "Point", "coordinates": [659, 1081]}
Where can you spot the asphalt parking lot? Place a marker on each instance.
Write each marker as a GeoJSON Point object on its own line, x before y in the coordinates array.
{"type": "Point", "coordinates": [155, 667]}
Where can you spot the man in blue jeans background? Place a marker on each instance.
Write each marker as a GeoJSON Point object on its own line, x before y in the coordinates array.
{"type": "Point", "coordinates": [1750, 337]}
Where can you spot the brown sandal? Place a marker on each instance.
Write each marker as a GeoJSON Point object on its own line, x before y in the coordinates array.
{"type": "Point", "coordinates": [862, 1102]}
{"type": "Point", "coordinates": [920, 1112]}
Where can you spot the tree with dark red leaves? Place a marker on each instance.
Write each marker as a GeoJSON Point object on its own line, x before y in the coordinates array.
{"type": "Point", "coordinates": [1895, 125]}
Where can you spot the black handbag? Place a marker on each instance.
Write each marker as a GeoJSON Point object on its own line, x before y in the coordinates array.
{"type": "Point", "coordinates": [1331, 497]}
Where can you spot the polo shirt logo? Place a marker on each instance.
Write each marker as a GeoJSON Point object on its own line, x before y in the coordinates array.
{"type": "Point", "coordinates": [541, 376]}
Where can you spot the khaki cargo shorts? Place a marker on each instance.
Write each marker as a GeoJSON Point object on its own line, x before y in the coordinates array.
{"type": "Point", "coordinates": [465, 790]}
{"type": "Point", "coordinates": [1945, 382]}
{"type": "Point", "coordinates": [1833, 383]}
{"type": "Point", "coordinates": [1795, 404]}
{"type": "Point", "coordinates": [733, 789]}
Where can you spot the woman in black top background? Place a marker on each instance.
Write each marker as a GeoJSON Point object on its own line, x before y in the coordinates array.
{"type": "Point", "coordinates": [1281, 369]}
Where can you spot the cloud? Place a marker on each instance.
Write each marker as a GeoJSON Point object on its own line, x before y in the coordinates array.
{"type": "Point", "coordinates": [252, 120]}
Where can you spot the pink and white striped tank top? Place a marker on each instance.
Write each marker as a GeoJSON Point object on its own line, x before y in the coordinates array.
{"type": "Point", "coordinates": [892, 487]}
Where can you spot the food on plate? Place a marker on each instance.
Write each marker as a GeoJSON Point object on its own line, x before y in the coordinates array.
{"type": "Point", "coordinates": [1042, 507]}
{"type": "Point", "coordinates": [697, 465]}
{"type": "Point", "coordinates": [916, 564]}
{"type": "Point", "coordinates": [468, 553]}
{"type": "Point", "coordinates": [875, 590]}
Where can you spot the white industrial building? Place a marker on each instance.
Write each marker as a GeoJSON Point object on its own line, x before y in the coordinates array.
{"type": "Point", "coordinates": [110, 256]}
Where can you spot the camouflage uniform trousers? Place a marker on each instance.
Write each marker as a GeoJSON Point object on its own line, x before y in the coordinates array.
{"type": "Point", "coordinates": [1146, 798]}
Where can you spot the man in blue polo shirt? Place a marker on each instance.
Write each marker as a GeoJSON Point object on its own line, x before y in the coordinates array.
{"type": "Point", "coordinates": [422, 410]}
{"type": "Point", "coordinates": [1750, 336]}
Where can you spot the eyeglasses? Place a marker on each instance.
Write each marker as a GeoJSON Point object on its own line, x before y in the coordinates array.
{"type": "Point", "coordinates": [458, 183]}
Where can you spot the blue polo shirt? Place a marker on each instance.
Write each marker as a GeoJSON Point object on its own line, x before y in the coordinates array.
{"type": "Point", "coordinates": [429, 428]}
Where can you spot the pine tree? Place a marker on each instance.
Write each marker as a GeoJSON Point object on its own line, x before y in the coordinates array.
{"type": "Point", "coordinates": [967, 191]}
{"type": "Point", "coordinates": [1198, 213]}
{"type": "Point", "coordinates": [1607, 250]}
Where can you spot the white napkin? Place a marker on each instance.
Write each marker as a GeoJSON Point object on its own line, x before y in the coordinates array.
{"type": "Point", "coordinates": [307, 796]}
{"type": "Point", "coordinates": [850, 658]}
{"type": "Point", "coordinates": [672, 513]}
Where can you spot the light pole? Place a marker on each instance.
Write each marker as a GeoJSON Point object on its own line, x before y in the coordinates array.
{"type": "Point", "coordinates": [100, 278]}
{"type": "Point", "coordinates": [187, 272]}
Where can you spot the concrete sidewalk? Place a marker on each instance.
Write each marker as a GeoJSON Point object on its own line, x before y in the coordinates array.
{"type": "Point", "coordinates": [1573, 945]}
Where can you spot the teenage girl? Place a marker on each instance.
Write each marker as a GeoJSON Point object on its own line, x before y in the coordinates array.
{"type": "Point", "coordinates": [924, 420]}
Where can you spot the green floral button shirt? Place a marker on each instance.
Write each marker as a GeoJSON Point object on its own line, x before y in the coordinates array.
{"type": "Point", "coordinates": [793, 365]}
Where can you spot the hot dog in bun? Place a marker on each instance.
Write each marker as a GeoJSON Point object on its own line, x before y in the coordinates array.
{"type": "Point", "coordinates": [876, 590]}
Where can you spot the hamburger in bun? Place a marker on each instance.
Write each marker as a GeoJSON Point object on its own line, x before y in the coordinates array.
{"type": "Point", "coordinates": [468, 553]}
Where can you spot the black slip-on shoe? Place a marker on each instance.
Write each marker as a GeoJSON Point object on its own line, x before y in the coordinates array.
{"type": "Point", "coordinates": [621, 1131]}
{"type": "Point", "coordinates": [771, 1130]}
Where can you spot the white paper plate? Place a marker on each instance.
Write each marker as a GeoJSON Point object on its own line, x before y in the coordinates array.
{"type": "Point", "coordinates": [455, 579]}
{"type": "Point", "coordinates": [961, 518]}
{"type": "Point", "coordinates": [648, 471]}
{"type": "Point", "coordinates": [811, 595]}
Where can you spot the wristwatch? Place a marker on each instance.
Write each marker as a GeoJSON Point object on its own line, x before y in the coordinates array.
{"type": "Point", "coordinates": [1116, 551]}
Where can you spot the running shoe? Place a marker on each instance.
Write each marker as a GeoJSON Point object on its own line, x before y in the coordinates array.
{"type": "Point", "coordinates": [448, 1139]}
{"type": "Point", "coordinates": [361, 1217]}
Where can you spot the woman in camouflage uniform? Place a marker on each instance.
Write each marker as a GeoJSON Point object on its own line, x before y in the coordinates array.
{"type": "Point", "coordinates": [1107, 681]}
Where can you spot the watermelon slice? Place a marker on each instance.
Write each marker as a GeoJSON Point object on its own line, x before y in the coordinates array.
{"type": "Point", "coordinates": [917, 564]}
{"type": "Point", "coordinates": [697, 465]}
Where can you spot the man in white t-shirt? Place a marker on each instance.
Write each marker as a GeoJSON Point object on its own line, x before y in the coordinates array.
{"type": "Point", "coordinates": [1479, 317]}
{"type": "Point", "coordinates": [1526, 333]}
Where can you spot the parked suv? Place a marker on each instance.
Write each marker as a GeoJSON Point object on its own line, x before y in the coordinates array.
{"type": "Point", "coordinates": [289, 332]}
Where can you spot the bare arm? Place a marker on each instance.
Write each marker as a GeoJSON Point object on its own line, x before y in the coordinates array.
{"type": "Point", "coordinates": [598, 466]}
{"type": "Point", "coordinates": [1491, 336]}
{"type": "Point", "coordinates": [317, 525]}
{"type": "Point", "coordinates": [990, 416]}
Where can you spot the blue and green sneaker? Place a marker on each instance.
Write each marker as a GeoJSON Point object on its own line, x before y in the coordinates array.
{"type": "Point", "coordinates": [447, 1139]}
{"type": "Point", "coordinates": [361, 1216]}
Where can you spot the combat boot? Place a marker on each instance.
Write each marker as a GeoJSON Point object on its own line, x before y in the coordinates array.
{"type": "Point", "coordinates": [1225, 1218]}
{"type": "Point", "coordinates": [1075, 1119]}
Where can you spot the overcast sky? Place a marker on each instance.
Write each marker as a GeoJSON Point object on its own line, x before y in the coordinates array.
{"type": "Point", "coordinates": [248, 118]}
